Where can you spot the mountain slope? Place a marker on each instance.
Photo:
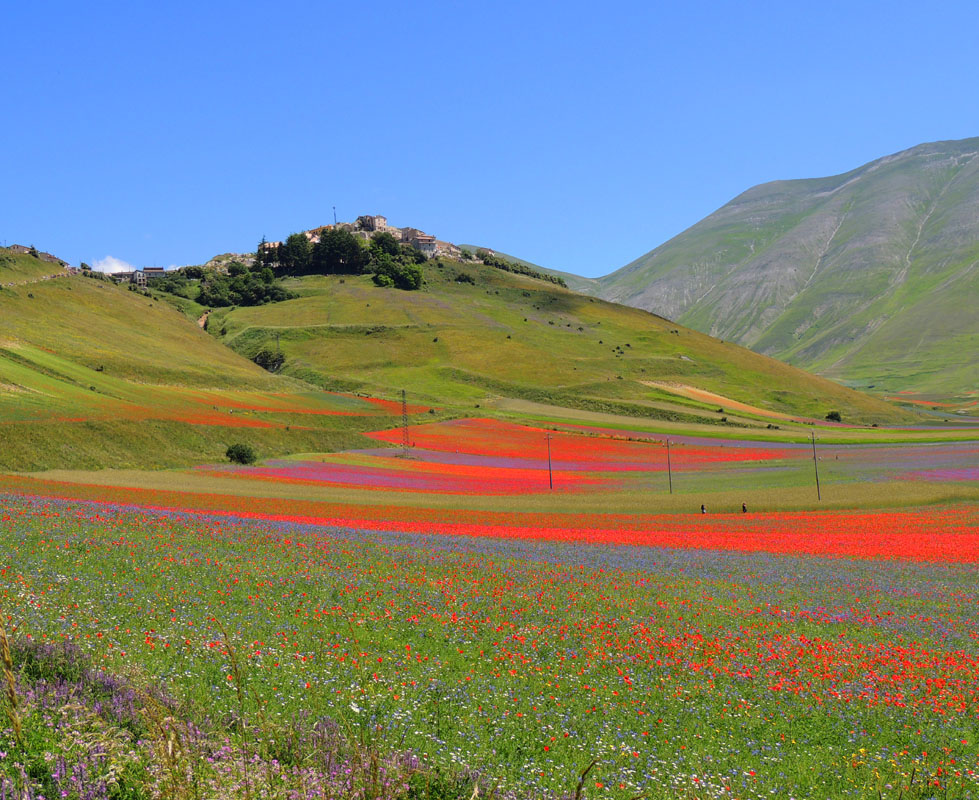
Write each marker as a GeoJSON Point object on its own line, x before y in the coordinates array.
{"type": "Point", "coordinates": [475, 334]}
{"type": "Point", "coordinates": [869, 277]}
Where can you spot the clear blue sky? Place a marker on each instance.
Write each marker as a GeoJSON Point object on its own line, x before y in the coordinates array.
{"type": "Point", "coordinates": [575, 135]}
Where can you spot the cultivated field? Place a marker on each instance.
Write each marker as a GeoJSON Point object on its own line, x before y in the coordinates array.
{"type": "Point", "coordinates": [454, 621]}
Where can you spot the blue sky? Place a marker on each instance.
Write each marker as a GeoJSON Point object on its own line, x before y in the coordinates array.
{"type": "Point", "coordinates": [575, 135]}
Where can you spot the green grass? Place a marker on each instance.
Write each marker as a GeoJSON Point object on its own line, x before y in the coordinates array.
{"type": "Point", "coordinates": [21, 269]}
{"type": "Point", "coordinates": [93, 375]}
{"type": "Point", "coordinates": [668, 670]}
{"type": "Point", "coordinates": [510, 336]}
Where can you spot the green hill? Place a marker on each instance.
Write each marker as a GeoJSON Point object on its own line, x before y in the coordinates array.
{"type": "Point", "coordinates": [94, 375]}
{"type": "Point", "coordinates": [478, 335]}
{"type": "Point", "coordinates": [869, 277]}
{"type": "Point", "coordinates": [575, 282]}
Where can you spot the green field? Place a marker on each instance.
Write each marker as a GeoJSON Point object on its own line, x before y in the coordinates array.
{"type": "Point", "coordinates": [507, 336]}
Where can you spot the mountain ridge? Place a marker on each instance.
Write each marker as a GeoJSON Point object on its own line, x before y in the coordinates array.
{"type": "Point", "coordinates": [837, 275]}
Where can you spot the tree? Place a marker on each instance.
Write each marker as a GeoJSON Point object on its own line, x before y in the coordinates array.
{"type": "Point", "coordinates": [834, 416]}
{"type": "Point", "coordinates": [384, 242]}
{"type": "Point", "coordinates": [264, 255]}
{"type": "Point", "coordinates": [388, 271]}
{"type": "Point", "coordinates": [410, 255]}
{"type": "Point", "coordinates": [240, 453]}
{"type": "Point", "coordinates": [295, 255]}
{"type": "Point", "coordinates": [339, 252]}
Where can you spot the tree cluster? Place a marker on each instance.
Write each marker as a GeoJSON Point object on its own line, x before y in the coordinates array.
{"type": "Point", "coordinates": [242, 286]}
{"type": "Point", "coordinates": [267, 359]}
{"type": "Point", "coordinates": [339, 252]}
{"type": "Point", "coordinates": [174, 282]}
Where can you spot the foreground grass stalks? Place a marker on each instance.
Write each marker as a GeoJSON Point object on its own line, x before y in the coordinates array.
{"type": "Point", "coordinates": [10, 684]}
{"type": "Point", "coordinates": [87, 734]}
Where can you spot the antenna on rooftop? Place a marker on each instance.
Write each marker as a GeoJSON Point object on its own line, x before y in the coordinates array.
{"type": "Point", "coordinates": [404, 424]}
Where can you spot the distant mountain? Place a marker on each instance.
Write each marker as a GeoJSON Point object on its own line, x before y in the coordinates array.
{"type": "Point", "coordinates": [870, 277]}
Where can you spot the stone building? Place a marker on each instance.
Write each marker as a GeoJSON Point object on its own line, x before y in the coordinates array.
{"type": "Point", "coordinates": [372, 223]}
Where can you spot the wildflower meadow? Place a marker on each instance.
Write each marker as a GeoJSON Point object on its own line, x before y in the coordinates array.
{"type": "Point", "coordinates": [651, 671]}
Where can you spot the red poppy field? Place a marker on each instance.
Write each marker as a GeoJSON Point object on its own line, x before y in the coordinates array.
{"type": "Point", "coordinates": [451, 606]}
{"type": "Point", "coordinates": [681, 671]}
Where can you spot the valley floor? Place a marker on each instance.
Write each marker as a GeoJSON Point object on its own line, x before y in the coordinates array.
{"type": "Point", "coordinates": [532, 601]}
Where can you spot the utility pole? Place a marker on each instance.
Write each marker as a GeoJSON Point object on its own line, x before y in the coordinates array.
{"type": "Point", "coordinates": [550, 473]}
{"type": "Point", "coordinates": [404, 424]}
{"type": "Point", "coordinates": [669, 465]}
{"type": "Point", "coordinates": [815, 465]}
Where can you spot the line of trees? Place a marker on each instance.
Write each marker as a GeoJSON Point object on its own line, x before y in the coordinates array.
{"type": "Point", "coordinates": [493, 260]}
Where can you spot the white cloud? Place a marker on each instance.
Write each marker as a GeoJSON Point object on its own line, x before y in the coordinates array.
{"type": "Point", "coordinates": [111, 264]}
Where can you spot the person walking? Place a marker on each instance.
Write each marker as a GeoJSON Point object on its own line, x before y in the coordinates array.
{"type": "Point", "coordinates": [744, 509]}
{"type": "Point", "coordinates": [703, 509]}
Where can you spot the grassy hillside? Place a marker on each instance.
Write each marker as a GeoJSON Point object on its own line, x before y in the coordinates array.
{"type": "Point", "coordinates": [94, 375]}
{"type": "Point", "coordinates": [509, 336]}
{"type": "Point", "coordinates": [575, 282]}
{"type": "Point", "coordinates": [869, 277]}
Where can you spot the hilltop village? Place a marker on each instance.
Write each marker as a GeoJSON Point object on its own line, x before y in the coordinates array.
{"type": "Point", "coordinates": [365, 227]}
{"type": "Point", "coordinates": [368, 226]}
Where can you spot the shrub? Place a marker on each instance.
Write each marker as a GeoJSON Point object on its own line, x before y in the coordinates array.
{"type": "Point", "coordinates": [404, 276]}
{"type": "Point", "coordinates": [266, 359]}
{"type": "Point", "coordinates": [240, 453]}
{"type": "Point", "coordinates": [834, 416]}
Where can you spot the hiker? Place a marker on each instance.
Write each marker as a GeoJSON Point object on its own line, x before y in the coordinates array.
{"type": "Point", "coordinates": [744, 509]}
{"type": "Point", "coordinates": [703, 509]}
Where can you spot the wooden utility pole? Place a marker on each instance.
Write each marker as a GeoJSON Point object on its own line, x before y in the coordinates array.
{"type": "Point", "coordinates": [669, 465]}
{"type": "Point", "coordinates": [404, 424]}
{"type": "Point", "coordinates": [815, 465]}
{"type": "Point", "coordinates": [550, 473]}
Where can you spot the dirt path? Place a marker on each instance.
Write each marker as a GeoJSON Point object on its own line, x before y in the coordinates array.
{"type": "Point", "coordinates": [203, 320]}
